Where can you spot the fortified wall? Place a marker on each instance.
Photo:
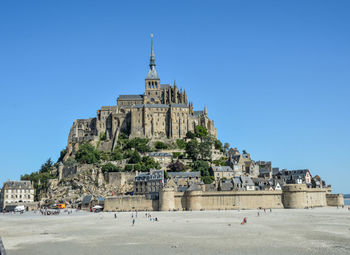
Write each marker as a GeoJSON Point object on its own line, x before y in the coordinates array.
{"type": "Point", "coordinates": [292, 196]}
{"type": "Point", "coordinates": [335, 199]}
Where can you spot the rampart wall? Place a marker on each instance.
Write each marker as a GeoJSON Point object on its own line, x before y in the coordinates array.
{"type": "Point", "coordinates": [292, 196]}
{"type": "Point", "coordinates": [335, 199]}
{"type": "Point", "coordinates": [299, 196]}
{"type": "Point", "coordinates": [130, 203]}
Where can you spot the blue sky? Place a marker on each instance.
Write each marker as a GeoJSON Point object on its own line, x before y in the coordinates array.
{"type": "Point", "coordinates": [274, 74]}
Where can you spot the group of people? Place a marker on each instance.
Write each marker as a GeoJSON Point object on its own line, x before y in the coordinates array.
{"type": "Point", "coordinates": [264, 211]}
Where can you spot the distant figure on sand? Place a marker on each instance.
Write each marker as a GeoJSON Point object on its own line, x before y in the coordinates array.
{"type": "Point", "coordinates": [244, 221]}
{"type": "Point", "coordinates": [133, 222]}
{"type": "Point", "coordinates": [115, 216]}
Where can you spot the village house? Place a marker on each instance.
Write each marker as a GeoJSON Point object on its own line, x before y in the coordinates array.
{"type": "Point", "coordinates": [149, 183]}
{"type": "Point", "coordinates": [181, 181]}
{"type": "Point", "coordinates": [302, 176]}
{"type": "Point", "coordinates": [222, 172]}
{"type": "Point", "coordinates": [247, 183]}
{"type": "Point", "coordinates": [16, 193]}
{"type": "Point", "coordinates": [163, 158]}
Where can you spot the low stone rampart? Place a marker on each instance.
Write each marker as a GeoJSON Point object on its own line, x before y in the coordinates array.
{"type": "Point", "coordinates": [299, 196]}
{"type": "Point", "coordinates": [130, 203]}
{"type": "Point", "coordinates": [335, 199]}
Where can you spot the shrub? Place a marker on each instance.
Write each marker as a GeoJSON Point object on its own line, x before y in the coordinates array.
{"type": "Point", "coordinates": [160, 145]}
{"type": "Point", "coordinates": [103, 136]}
{"type": "Point", "coordinates": [181, 144]}
{"type": "Point", "coordinates": [70, 162]}
{"type": "Point", "coordinates": [135, 157]}
{"type": "Point", "coordinates": [176, 154]}
{"type": "Point", "coordinates": [109, 167]}
{"type": "Point", "coordinates": [128, 168]}
{"type": "Point", "coordinates": [190, 135]}
{"type": "Point", "coordinates": [105, 155]}
{"type": "Point", "coordinates": [117, 154]}
{"type": "Point", "coordinates": [139, 144]}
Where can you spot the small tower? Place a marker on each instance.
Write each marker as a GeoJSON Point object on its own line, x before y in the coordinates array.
{"type": "Point", "coordinates": [152, 81]}
{"type": "Point", "coordinates": [205, 111]}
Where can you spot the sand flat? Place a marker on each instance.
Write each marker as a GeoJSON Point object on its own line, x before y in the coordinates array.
{"type": "Point", "coordinates": [297, 231]}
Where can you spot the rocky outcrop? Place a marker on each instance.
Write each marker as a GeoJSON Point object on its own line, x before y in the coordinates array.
{"type": "Point", "coordinates": [89, 181]}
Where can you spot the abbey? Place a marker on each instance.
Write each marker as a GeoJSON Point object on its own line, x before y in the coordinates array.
{"type": "Point", "coordinates": [161, 112]}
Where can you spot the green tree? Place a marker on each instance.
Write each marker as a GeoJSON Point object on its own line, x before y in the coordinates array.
{"type": "Point", "coordinates": [202, 166]}
{"type": "Point", "coordinates": [200, 132]}
{"type": "Point", "coordinates": [226, 147]}
{"type": "Point", "coordinates": [117, 154]}
{"type": "Point", "coordinates": [181, 144]}
{"type": "Point", "coordinates": [87, 154]}
{"type": "Point", "coordinates": [135, 158]}
{"type": "Point", "coordinates": [205, 148]}
{"type": "Point", "coordinates": [192, 149]}
{"type": "Point", "coordinates": [190, 135]}
{"type": "Point", "coordinates": [176, 154]}
{"type": "Point", "coordinates": [109, 167]}
{"type": "Point", "coordinates": [176, 166]}
{"type": "Point", "coordinates": [207, 179]}
{"type": "Point", "coordinates": [47, 166]}
{"type": "Point", "coordinates": [128, 154]}
{"type": "Point", "coordinates": [139, 144]}
{"type": "Point", "coordinates": [62, 154]}
{"type": "Point", "coordinates": [128, 168]}
{"type": "Point", "coordinates": [218, 145]}
{"type": "Point", "coordinates": [150, 163]}
{"type": "Point", "coordinates": [160, 145]}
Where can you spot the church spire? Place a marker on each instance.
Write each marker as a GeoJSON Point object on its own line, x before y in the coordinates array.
{"type": "Point", "coordinates": [152, 61]}
{"type": "Point", "coordinates": [152, 73]}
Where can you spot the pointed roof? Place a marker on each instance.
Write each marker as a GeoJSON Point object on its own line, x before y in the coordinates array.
{"type": "Point", "coordinates": [152, 72]}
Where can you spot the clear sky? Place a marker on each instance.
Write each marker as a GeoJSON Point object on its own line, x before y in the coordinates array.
{"type": "Point", "coordinates": [274, 75]}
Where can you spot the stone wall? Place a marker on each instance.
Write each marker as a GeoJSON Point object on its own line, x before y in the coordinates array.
{"type": "Point", "coordinates": [292, 196]}
{"type": "Point", "coordinates": [130, 203]}
{"type": "Point", "coordinates": [299, 196]}
{"type": "Point", "coordinates": [226, 200]}
{"type": "Point", "coordinates": [335, 199]}
{"type": "Point", "coordinates": [120, 178]}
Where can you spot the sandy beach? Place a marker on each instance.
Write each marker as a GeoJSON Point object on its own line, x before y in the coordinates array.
{"type": "Point", "coordinates": [298, 231]}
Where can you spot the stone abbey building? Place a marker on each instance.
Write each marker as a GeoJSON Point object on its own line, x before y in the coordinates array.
{"type": "Point", "coordinates": [161, 112]}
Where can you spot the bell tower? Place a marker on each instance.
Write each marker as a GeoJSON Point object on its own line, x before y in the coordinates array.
{"type": "Point", "coordinates": [152, 81]}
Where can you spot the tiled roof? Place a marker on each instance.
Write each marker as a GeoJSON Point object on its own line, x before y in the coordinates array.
{"type": "Point", "coordinates": [184, 174]}
{"type": "Point", "coordinates": [222, 169]}
{"type": "Point", "coordinates": [130, 97]}
{"type": "Point", "coordinates": [160, 154]}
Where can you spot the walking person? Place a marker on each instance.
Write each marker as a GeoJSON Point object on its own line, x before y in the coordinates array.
{"type": "Point", "coordinates": [133, 221]}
